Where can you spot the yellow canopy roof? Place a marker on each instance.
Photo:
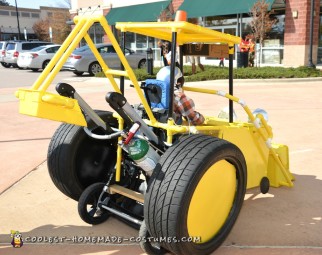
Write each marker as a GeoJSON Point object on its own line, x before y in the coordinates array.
{"type": "Point", "coordinates": [186, 32]}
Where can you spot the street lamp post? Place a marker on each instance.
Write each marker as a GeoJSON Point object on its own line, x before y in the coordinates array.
{"type": "Point", "coordinates": [310, 63]}
{"type": "Point", "coordinates": [18, 20]}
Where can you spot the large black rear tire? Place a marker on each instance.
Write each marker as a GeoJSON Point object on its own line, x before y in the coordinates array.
{"type": "Point", "coordinates": [76, 160]}
{"type": "Point", "coordinates": [197, 191]}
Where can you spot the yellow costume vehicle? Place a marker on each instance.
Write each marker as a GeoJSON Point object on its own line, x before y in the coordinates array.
{"type": "Point", "coordinates": [183, 185]}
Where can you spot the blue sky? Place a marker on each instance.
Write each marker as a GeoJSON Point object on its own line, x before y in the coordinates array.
{"type": "Point", "coordinates": [36, 3]}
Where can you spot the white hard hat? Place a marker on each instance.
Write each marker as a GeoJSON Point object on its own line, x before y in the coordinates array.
{"type": "Point", "coordinates": [164, 74]}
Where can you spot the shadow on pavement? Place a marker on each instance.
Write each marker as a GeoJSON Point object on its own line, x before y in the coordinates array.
{"type": "Point", "coordinates": [283, 217]}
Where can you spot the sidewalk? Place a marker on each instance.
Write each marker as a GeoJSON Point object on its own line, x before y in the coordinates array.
{"type": "Point", "coordinates": [284, 221]}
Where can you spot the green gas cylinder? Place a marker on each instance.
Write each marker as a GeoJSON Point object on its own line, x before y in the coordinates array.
{"type": "Point", "coordinates": [143, 154]}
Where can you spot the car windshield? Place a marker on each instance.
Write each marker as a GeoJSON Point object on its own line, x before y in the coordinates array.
{"type": "Point", "coordinates": [38, 48]}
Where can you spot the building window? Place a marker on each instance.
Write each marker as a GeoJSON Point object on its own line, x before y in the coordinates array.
{"type": "Point", "coordinates": [320, 42]}
{"type": "Point", "coordinates": [35, 15]}
{"type": "Point", "coordinates": [15, 14]}
{"type": "Point", "coordinates": [5, 13]}
{"type": "Point", "coordinates": [25, 14]}
{"type": "Point", "coordinates": [273, 46]}
{"type": "Point", "coordinates": [218, 21]}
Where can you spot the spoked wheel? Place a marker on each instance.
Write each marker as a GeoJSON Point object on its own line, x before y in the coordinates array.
{"type": "Point", "coordinates": [147, 244]}
{"type": "Point", "coordinates": [76, 160]}
{"type": "Point", "coordinates": [94, 68]}
{"type": "Point", "coordinates": [88, 208]}
{"type": "Point", "coordinates": [195, 194]}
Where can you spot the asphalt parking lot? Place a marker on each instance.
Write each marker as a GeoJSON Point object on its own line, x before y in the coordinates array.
{"type": "Point", "coordinates": [284, 221]}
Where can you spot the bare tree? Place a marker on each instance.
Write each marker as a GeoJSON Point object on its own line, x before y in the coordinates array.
{"type": "Point", "coordinates": [41, 29]}
{"type": "Point", "coordinates": [59, 27]}
{"type": "Point", "coordinates": [261, 22]}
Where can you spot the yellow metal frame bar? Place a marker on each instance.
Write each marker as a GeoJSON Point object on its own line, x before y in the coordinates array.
{"type": "Point", "coordinates": [187, 32]}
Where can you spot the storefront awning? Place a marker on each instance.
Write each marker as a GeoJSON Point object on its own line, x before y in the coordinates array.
{"type": "Point", "coordinates": [204, 8]}
{"type": "Point", "coordinates": [137, 13]}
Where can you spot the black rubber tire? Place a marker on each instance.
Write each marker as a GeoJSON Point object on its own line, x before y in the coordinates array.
{"type": "Point", "coordinates": [5, 65]}
{"type": "Point", "coordinates": [173, 183]}
{"type": "Point", "coordinates": [78, 73]}
{"type": "Point", "coordinates": [76, 161]}
{"type": "Point", "coordinates": [94, 68]}
{"type": "Point", "coordinates": [145, 243]}
{"type": "Point", "coordinates": [44, 64]}
{"type": "Point", "coordinates": [90, 198]}
{"type": "Point", "coordinates": [264, 185]}
{"type": "Point", "coordinates": [142, 64]}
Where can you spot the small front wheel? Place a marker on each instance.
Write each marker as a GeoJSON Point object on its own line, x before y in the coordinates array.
{"type": "Point", "coordinates": [88, 208]}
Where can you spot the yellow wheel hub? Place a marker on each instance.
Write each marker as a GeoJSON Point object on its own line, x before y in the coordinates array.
{"type": "Point", "coordinates": [212, 201]}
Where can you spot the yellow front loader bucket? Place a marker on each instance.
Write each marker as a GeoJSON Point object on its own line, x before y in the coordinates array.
{"type": "Point", "coordinates": [37, 102]}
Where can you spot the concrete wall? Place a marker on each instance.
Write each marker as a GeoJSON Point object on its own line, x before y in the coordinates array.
{"type": "Point", "coordinates": [9, 23]}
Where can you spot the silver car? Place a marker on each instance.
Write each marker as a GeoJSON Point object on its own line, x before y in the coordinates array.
{"type": "Point", "coordinates": [83, 60]}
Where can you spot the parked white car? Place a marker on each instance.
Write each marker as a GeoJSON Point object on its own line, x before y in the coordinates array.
{"type": "Point", "coordinates": [15, 48]}
{"type": "Point", "coordinates": [37, 58]}
{"type": "Point", "coordinates": [82, 60]}
{"type": "Point", "coordinates": [3, 45]}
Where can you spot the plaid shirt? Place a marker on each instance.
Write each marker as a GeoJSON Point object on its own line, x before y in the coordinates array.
{"type": "Point", "coordinates": [184, 106]}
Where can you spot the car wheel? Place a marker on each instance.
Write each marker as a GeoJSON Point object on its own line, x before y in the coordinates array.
{"type": "Point", "coordinates": [6, 65]}
{"type": "Point", "coordinates": [94, 68]}
{"type": "Point", "coordinates": [196, 190]}
{"type": "Point", "coordinates": [76, 160]}
{"type": "Point", "coordinates": [45, 64]}
{"type": "Point", "coordinates": [142, 64]}
{"type": "Point", "coordinates": [34, 69]}
{"type": "Point", "coordinates": [78, 73]}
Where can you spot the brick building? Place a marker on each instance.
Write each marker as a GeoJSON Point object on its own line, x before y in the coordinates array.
{"type": "Point", "coordinates": [287, 44]}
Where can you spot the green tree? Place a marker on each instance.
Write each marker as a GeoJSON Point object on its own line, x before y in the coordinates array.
{"type": "Point", "coordinates": [261, 22]}
{"type": "Point", "coordinates": [4, 3]}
